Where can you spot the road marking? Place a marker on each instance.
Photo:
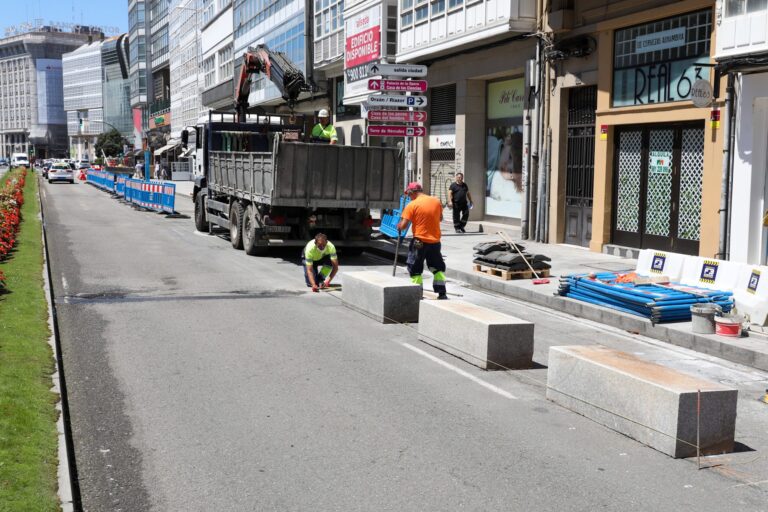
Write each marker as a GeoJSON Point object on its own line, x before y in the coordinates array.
{"type": "Point", "coordinates": [64, 283]}
{"type": "Point", "coordinates": [461, 372]}
{"type": "Point", "coordinates": [751, 483]}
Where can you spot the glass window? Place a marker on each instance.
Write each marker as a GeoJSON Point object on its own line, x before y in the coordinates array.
{"type": "Point", "coordinates": [208, 11]}
{"type": "Point", "coordinates": [454, 3]}
{"type": "Point", "coordinates": [438, 7]}
{"type": "Point", "coordinates": [756, 5]}
{"type": "Point", "coordinates": [209, 71]}
{"type": "Point", "coordinates": [226, 66]}
{"type": "Point", "coordinates": [422, 12]}
{"type": "Point", "coordinates": [734, 7]}
{"type": "Point", "coordinates": [406, 4]}
{"type": "Point", "coordinates": [406, 19]}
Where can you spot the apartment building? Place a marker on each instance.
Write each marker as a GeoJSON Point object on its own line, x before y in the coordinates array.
{"type": "Point", "coordinates": [116, 86]}
{"type": "Point", "coordinates": [32, 118]}
{"type": "Point", "coordinates": [140, 87]}
{"type": "Point", "coordinates": [742, 56]}
{"type": "Point", "coordinates": [185, 58]}
{"type": "Point", "coordinates": [477, 52]}
{"type": "Point", "coordinates": [631, 162]}
{"type": "Point", "coordinates": [159, 73]}
{"type": "Point", "coordinates": [217, 45]}
{"type": "Point", "coordinates": [83, 99]}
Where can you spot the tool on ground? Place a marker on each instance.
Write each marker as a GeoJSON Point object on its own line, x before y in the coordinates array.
{"type": "Point", "coordinates": [508, 241]}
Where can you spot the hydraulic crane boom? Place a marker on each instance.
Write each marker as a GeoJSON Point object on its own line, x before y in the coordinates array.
{"type": "Point", "coordinates": [276, 66]}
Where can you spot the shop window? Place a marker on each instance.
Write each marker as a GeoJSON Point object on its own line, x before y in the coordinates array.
{"type": "Point", "coordinates": [658, 62]}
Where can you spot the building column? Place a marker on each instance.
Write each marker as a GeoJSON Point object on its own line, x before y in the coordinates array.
{"type": "Point", "coordinates": [470, 140]}
{"type": "Point", "coordinates": [603, 186]}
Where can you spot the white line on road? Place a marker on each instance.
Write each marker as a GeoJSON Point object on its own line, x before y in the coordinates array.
{"type": "Point", "coordinates": [64, 283]}
{"type": "Point", "coordinates": [461, 372]}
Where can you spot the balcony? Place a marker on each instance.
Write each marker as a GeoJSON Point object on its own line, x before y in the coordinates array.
{"type": "Point", "coordinates": [742, 35]}
{"type": "Point", "coordinates": [435, 28]}
{"type": "Point", "coordinates": [159, 107]}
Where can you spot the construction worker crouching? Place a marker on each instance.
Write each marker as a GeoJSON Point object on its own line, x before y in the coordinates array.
{"type": "Point", "coordinates": [424, 213]}
{"type": "Point", "coordinates": [324, 130]}
{"type": "Point", "coordinates": [320, 262]}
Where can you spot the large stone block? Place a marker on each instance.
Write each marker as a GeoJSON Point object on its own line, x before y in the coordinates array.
{"type": "Point", "coordinates": [653, 404]}
{"type": "Point", "coordinates": [483, 337]}
{"type": "Point", "coordinates": [382, 297]}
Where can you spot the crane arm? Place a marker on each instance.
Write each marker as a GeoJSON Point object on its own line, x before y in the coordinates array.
{"type": "Point", "coordinates": [288, 78]}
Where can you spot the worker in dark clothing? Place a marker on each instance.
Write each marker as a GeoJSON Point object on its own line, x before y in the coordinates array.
{"type": "Point", "coordinates": [460, 201]}
{"type": "Point", "coordinates": [424, 213]}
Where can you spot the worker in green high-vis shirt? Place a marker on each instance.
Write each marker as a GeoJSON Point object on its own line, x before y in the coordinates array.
{"type": "Point", "coordinates": [324, 130]}
{"type": "Point", "coordinates": [320, 262]}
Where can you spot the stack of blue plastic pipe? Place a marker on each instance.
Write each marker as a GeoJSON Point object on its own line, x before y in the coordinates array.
{"type": "Point", "coordinates": [657, 303]}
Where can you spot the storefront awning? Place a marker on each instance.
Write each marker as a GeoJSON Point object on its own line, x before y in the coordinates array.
{"type": "Point", "coordinates": [166, 148]}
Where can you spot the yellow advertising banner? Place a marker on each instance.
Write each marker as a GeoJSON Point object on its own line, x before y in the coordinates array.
{"type": "Point", "coordinates": [505, 99]}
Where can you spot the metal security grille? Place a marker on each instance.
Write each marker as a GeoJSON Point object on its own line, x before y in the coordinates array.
{"type": "Point", "coordinates": [580, 162]}
{"type": "Point", "coordinates": [659, 184]}
{"type": "Point", "coordinates": [442, 108]}
{"type": "Point", "coordinates": [442, 170]}
{"type": "Point", "coordinates": [691, 172]}
{"type": "Point", "coordinates": [629, 178]}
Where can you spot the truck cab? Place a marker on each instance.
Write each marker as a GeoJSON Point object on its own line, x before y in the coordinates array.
{"type": "Point", "coordinates": [20, 160]}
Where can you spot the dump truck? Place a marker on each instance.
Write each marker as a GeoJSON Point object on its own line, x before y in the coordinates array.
{"type": "Point", "coordinates": [264, 180]}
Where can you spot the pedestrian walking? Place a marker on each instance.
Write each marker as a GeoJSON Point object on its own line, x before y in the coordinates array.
{"type": "Point", "coordinates": [424, 213]}
{"type": "Point", "coordinates": [157, 169]}
{"type": "Point", "coordinates": [139, 173]}
{"type": "Point", "coordinates": [320, 262]}
{"type": "Point", "coordinates": [460, 201]}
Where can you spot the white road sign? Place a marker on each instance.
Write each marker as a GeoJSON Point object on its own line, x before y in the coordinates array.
{"type": "Point", "coordinates": [390, 100]}
{"type": "Point", "coordinates": [408, 70]}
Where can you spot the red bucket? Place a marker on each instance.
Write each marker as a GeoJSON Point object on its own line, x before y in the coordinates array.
{"type": "Point", "coordinates": [727, 326]}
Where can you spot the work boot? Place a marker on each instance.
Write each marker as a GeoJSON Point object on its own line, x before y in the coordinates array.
{"type": "Point", "coordinates": [442, 296]}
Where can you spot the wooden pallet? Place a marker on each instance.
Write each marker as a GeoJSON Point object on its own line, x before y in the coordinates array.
{"type": "Point", "coordinates": [506, 275]}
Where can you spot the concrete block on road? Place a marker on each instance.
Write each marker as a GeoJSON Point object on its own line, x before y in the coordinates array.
{"type": "Point", "coordinates": [480, 336]}
{"type": "Point", "coordinates": [653, 404]}
{"type": "Point", "coordinates": [382, 297]}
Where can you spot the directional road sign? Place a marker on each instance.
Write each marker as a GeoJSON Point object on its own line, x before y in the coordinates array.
{"type": "Point", "coordinates": [396, 70]}
{"type": "Point", "coordinates": [398, 85]}
{"type": "Point", "coordinates": [397, 131]}
{"type": "Point", "coordinates": [390, 100]}
{"type": "Point", "coordinates": [402, 116]}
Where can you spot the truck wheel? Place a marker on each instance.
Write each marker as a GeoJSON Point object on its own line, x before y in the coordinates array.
{"type": "Point", "coordinates": [249, 235]}
{"type": "Point", "coordinates": [201, 221]}
{"type": "Point", "coordinates": [236, 225]}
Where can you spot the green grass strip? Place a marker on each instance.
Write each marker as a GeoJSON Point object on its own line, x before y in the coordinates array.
{"type": "Point", "coordinates": [28, 438]}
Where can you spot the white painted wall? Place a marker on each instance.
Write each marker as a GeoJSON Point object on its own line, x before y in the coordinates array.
{"type": "Point", "coordinates": [749, 170]}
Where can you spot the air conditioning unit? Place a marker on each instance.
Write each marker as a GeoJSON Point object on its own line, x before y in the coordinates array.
{"type": "Point", "coordinates": [560, 20]}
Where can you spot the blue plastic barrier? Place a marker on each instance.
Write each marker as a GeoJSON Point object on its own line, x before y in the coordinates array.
{"type": "Point", "coordinates": [152, 195]}
{"type": "Point", "coordinates": [389, 222]}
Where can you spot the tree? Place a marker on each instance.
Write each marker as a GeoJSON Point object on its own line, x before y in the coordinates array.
{"type": "Point", "coordinates": [110, 142]}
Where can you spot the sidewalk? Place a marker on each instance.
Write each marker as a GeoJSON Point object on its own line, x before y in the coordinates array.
{"type": "Point", "coordinates": [566, 259]}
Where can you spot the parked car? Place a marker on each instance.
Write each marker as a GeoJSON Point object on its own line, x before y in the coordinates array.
{"type": "Point", "coordinates": [60, 172]}
{"type": "Point", "coordinates": [3, 162]}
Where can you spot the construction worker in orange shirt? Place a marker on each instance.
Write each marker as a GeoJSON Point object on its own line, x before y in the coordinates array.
{"type": "Point", "coordinates": [424, 212]}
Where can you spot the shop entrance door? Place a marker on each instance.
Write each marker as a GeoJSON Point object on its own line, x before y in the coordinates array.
{"type": "Point", "coordinates": [580, 165]}
{"type": "Point", "coordinates": [657, 187]}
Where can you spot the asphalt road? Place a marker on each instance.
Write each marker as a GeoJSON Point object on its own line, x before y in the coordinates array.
{"type": "Point", "coordinates": [202, 379]}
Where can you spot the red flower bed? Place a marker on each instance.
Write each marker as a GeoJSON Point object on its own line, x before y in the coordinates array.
{"type": "Point", "coordinates": [11, 199]}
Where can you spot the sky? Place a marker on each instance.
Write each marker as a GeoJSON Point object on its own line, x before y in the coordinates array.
{"type": "Point", "coordinates": [104, 13]}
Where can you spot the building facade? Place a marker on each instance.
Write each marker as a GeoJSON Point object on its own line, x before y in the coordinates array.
{"type": "Point", "coordinates": [632, 163]}
{"type": "Point", "coordinates": [742, 55]}
{"type": "Point", "coordinates": [278, 24]}
{"type": "Point", "coordinates": [185, 58]}
{"type": "Point", "coordinates": [477, 53]}
{"type": "Point", "coordinates": [116, 87]}
{"type": "Point", "coordinates": [83, 99]}
{"type": "Point", "coordinates": [140, 87]}
{"type": "Point", "coordinates": [159, 129]}
{"type": "Point", "coordinates": [217, 68]}
{"type": "Point", "coordinates": [32, 118]}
